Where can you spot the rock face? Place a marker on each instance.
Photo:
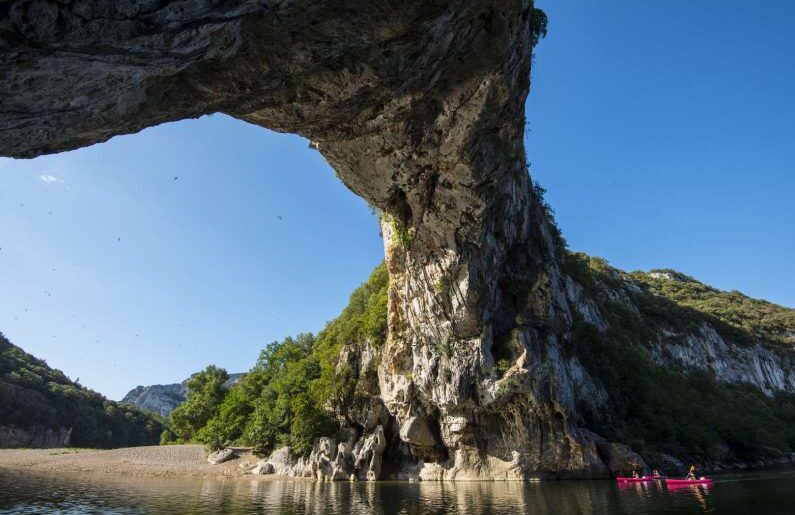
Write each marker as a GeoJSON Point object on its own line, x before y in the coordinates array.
{"type": "Point", "coordinates": [769, 369]}
{"type": "Point", "coordinates": [35, 436]}
{"type": "Point", "coordinates": [163, 398]}
{"type": "Point", "coordinates": [158, 398]}
{"type": "Point", "coordinates": [767, 365]}
{"type": "Point", "coordinates": [419, 107]}
{"type": "Point", "coordinates": [620, 459]}
{"type": "Point", "coordinates": [355, 459]}
{"type": "Point", "coordinates": [221, 456]}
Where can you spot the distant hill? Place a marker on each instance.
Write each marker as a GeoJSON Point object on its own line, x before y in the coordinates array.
{"type": "Point", "coordinates": [157, 398]}
{"type": "Point", "coordinates": [163, 398]}
{"type": "Point", "coordinates": [41, 407]}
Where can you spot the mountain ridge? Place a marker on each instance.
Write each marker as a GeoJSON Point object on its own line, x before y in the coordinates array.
{"type": "Point", "coordinates": [163, 398]}
{"type": "Point", "coordinates": [41, 407]}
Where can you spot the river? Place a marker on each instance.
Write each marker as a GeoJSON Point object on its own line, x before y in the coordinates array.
{"type": "Point", "coordinates": [758, 493]}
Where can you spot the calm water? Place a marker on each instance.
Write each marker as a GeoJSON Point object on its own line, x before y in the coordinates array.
{"type": "Point", "coordinates": [756, 493]}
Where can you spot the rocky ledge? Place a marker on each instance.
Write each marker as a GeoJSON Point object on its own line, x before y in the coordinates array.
{"type": "Point", "coordinates": [419, 106]}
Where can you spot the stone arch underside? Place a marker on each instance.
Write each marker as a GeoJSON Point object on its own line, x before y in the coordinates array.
{"type": "Point", "coordinates": [418, 105]}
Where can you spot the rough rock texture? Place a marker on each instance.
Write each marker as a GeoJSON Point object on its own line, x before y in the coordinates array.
{"type": "Point", "coordinates": [355, 459]}
{"type": "Point", "coordinates": [764, 364]}
{"type": "Point", "coordinates": [221, 456]}
{"type": "Point", "coordinates": [35, 436]}
{"type": "Point", "coordinates": [163, 398]}
{"type": "Point", "coordinates": [262, 469]}
{"type": "Point", "coordinates": [620, 459]}
{"type": "Point", "coordinates": [158, 398]}
{"type": "Point", "coordinates": [760, 365]}
{"type": "Point", "coordinates": [419, 108]}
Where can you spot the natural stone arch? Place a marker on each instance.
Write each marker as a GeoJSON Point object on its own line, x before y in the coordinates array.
{"type": "Point", "coordinates": [418, 105]}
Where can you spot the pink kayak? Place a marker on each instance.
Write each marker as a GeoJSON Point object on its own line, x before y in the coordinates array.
{"type": "Point", "coordinates": [677, 482]}
{"type": "Point", "coordinates": [634, 479]}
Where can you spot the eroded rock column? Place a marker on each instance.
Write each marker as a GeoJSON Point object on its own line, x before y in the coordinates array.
{"type": "Point", "coordinates": [419, 107]}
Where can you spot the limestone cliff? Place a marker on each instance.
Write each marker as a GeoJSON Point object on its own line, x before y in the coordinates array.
{"type": "Point", "coordinates": [157, 398]}
{"type": "Point", "coordinates": [418, 105]}
{"type": "Point", "coordinates": [675, 368]}
{"type": "Point", "coordinates": [688, 325]}
{"type": "Point", "coordinates": [163, 398]}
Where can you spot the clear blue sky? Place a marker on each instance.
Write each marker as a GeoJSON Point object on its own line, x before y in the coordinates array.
{"type": "Point", "coordinates": [664, 132]}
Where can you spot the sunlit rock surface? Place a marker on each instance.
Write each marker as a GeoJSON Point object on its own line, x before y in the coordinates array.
{"type": "Point", "coordinates": [163, 398]}
{"type": "Point", "coordinates": [419, 107]}
{"type": "Point", "coordinates": [158, 398]}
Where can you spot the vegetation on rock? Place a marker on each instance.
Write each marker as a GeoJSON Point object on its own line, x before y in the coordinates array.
{"type": "Point", "coordinates": [298, 389]}
{"type": "Point", "coordinates": [735, 316]}
{"type": "Point", "coordinates": [686, 413]}
{"type": "Point", "coordinates": [655, 409]}
{"type": "Point", "coordinates": [539, 21]}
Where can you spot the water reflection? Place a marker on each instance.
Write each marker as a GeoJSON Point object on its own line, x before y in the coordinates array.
{"type": "Point", "coordinates": [28, 493]}
{"type": "Point", "coordinates": [699, 493]}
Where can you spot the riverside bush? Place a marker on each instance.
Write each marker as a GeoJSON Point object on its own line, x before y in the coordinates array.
{"type": "Point", "coordinates": [298, 389]}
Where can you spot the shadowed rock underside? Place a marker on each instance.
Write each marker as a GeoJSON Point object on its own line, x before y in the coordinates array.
{"type": "Point", "coordinates": [419, 108]}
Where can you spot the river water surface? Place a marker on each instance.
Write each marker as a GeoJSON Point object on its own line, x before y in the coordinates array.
{"type": "Point", "coordinates": [760, 493]}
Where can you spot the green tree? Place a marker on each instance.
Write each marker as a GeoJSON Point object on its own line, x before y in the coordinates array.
{"type": "Point", "coordinates": [298, 389]}
{"type": "Point", "coordinates": [33, 394]}
{"type": "Point", "coordinates": [206, 391]}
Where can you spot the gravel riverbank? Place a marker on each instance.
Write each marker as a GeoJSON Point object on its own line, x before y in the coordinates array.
{"type": "Point", "coordinates": [154, 461]}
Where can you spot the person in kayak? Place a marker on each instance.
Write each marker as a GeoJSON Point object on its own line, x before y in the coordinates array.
{"type": "Point", "coordinates": [635, 474]}
{"type": "Point", "coordinates": [656, 473]}
{"type": "Point", "coordinates": [692, 473]}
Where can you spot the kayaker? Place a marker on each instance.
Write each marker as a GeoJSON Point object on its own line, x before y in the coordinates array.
{"type": "Point", "coordinates": [692, 473]}
{"type": "Point", "coordinates": [656, 473]}
{"type": "Point", "coordinates": [635, 474]}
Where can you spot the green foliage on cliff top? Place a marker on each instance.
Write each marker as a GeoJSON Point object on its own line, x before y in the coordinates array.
{"type": "Point", "coordinates": [741, 318]}
{"type": "Point", "coordinates": [673, 299]}
{"type": "Point", "coordinates": [33, 394]}
{"type": "Point", "coordinates": [684, 413]}
{"type": "Point", "coordinates": [298, 389]}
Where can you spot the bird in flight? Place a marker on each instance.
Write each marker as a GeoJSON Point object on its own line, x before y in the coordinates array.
{"type": "Point", "coordinates": [176, 177]}
{"type": "Point", "coordinates": [280, 218]}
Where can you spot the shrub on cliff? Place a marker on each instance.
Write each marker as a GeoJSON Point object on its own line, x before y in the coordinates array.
{"type": "Point", "coordinates": [298, 389]}
{"type": "Point", "coordinates": [538, 25]}
{"type": "Point", "coordinates": [736, 317]}
{"type": "Point", "coordinates": [686, 413]}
